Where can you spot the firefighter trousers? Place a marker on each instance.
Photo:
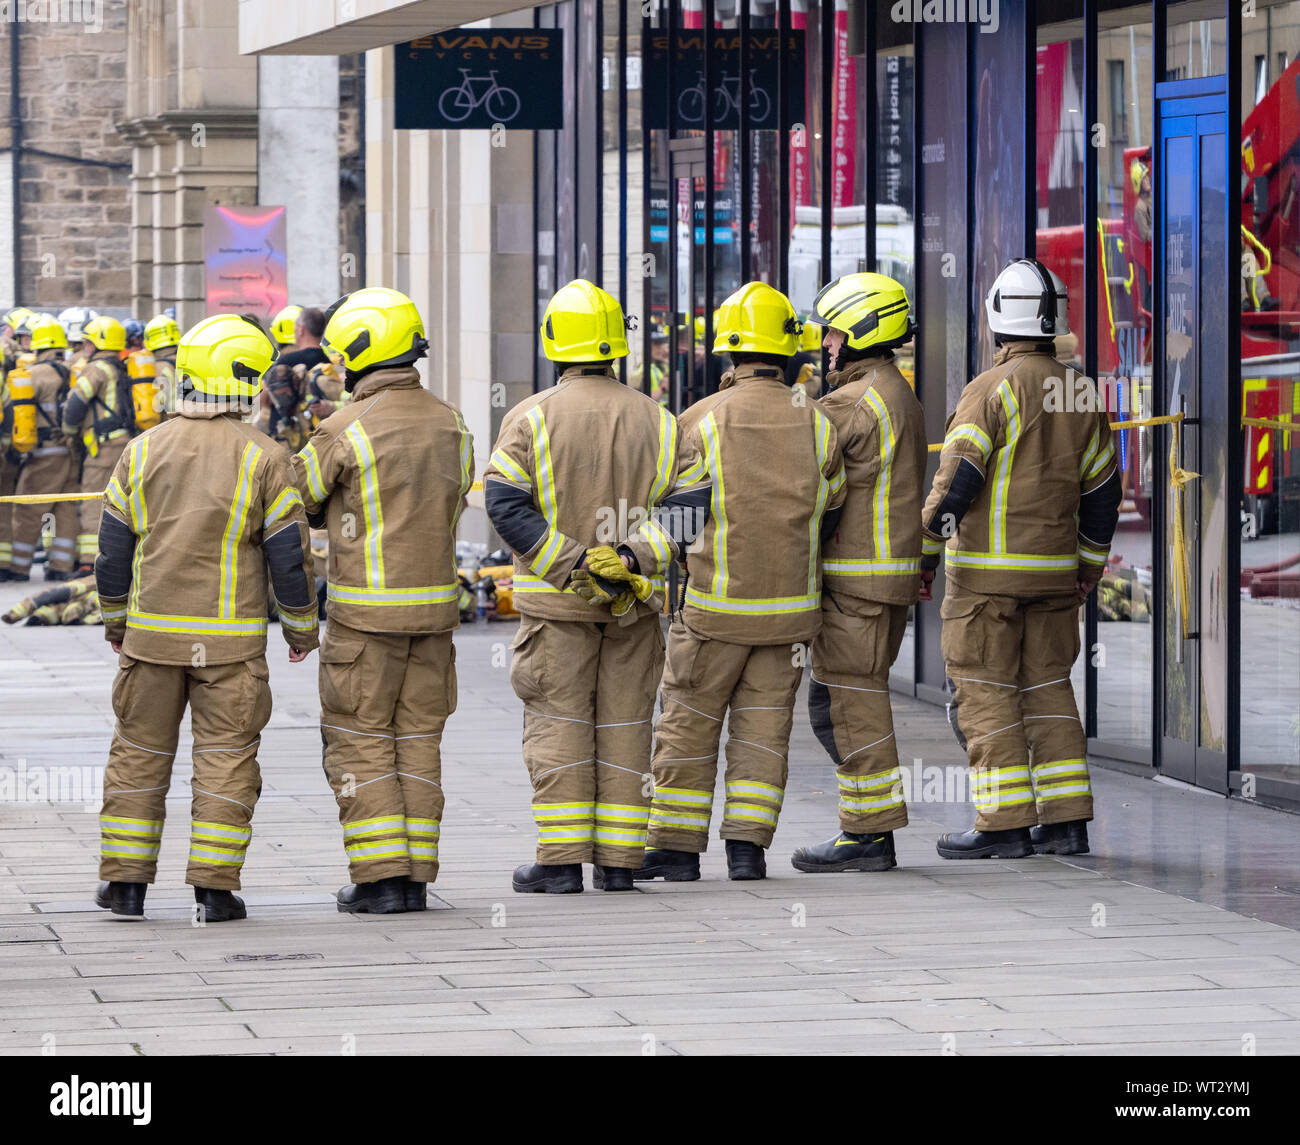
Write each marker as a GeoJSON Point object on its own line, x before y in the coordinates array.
{"type": "Point", "coordinates": [229, 706]}
{"type": "Point", "coordinates": [8, 483]}
{"type": "Point", "coordinates": [588, 690]}
{"type": "Point", "coordinates": [1009, 659]}
{"type": "Point", "coordinates": [385, 699]}
{"type": "Point", "coordinates": [704, 680]}
{"type": "Point", "coordinates": [49, 469]}
{"type": "Point", "coordinates": [848, 706]}
{"type": "Point", "coordinates": [95, 473]}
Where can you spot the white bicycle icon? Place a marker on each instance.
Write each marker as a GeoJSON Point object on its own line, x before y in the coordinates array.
{"type": "Point", "coordinates": [500, 103]}
{"type": "Point", "coordinates": [726, 100]}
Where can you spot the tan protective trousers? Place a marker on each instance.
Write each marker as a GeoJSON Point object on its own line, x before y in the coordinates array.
{"type": "Point", "coordinates": [95, 473]}
{"type": "Point", "coordinates": [8, 483]}
{"type": "Point", "coordinates": [1010, 660]}
{"type": "Point", "coordinates": [703, 680]}
{"type": "Point", "coordinates": [589, 695]}
{"type": "Point", "coordinates": [229, 706]}
{"type": "Point", "coordinates": [385, 699]}
{"type": "Point", "coordinates": [848, 707]}
{"type": "Point", "coordinates": [46, 472]}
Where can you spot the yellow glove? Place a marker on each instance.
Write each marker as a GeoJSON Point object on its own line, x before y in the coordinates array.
{"type": "Point", "coordinates": [604, 562]}
{"type": "Point", "coordinates": [598, 591]}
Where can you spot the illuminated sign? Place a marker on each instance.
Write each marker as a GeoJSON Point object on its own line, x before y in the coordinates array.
{"type": "Point", "coordinates": [244, 261]}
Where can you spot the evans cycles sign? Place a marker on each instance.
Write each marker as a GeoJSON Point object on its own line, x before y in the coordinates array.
{"type": "Point", "coordinates": [477, 78]}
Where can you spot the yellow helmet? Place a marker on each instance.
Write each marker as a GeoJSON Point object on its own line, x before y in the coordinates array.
{"type": "Point", "coordinates": [583, 323]}
{"type": "Point", "coordinates": [105, 333]}
{"type": "Point", "coordinates": [374, 327]}
{"type": "Point", "coordinates": [756, 319]}
{"type": "Point", "coordinates": [224, 356]}
{"type": "Point", "coordinates": [870, 308]}
{"type": "Point", "coordinates": [283, 323]}
{"type": "Point", "coordinates": [16, 317]}
{"type": "Point", "coordinates": [47, 334]}
{"type": "Point", "coordinates": [810, 337]}
{"type": "Point", "coordinates": [1136, 173]}
{"type": "Point", "coordinates": [161, 332]}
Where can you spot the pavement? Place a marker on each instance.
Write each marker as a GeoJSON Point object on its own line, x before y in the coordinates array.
{"type": "Point", "coordinates": [1177, 935]}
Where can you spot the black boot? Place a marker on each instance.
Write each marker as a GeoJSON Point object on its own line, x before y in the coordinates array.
{"type": "Point", "coordinates": [415, 896]}
{"type": "Point", "coordinates": [611, 878]}
{"type": "Point", "coordinates": [1060, 838]}
{"type": "Point", "coordinates": [387, 896]}
{"type": "Point", "coordinates": [122, 898]}
{"type": "Point", "coordinates": [745, 861]}
{"type": "Point", "coordinates": [973, 844]}
{"type": "Point", "coordinates": [848, 852]}
{"type": "Point", "coordinates": [672, 866]}
{"type": "Point", "coordinates": [56, 574]}
{"type": "Point", "coordinates": [550, 879]}
{"type": "Point", "coordinates": [219, 906]}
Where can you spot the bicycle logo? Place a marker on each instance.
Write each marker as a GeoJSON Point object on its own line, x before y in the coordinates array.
{"type": "Point", "coordinates": [501, 104]}
{"type": "Point", "coordinates": [726, 100]}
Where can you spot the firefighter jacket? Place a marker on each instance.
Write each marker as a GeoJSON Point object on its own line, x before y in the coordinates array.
{"type": "Point", "coordinates": [50, 380]}
{"type": "Point", "coordinates": [1027, 494]}
{"type": "Point", "coordinates": [100, 402]}
{"type": "Point", "coordinates": [165, 365]}
{"type": "Point", "coordinates": [583, 463]}
{"type": "Point", "coordinates": [197, 512]}
{"type": "Point", "coordinates": [775, 471]}
{"type": "Point", "coordinates": [875, 552]}
{"type": "Point", "coordinates": [387, 475]}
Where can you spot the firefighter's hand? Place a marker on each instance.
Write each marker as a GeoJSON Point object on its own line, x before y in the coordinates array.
{"type": "Point", "coordinates": [926, 591]}
{"type": "Point", "coordinates": [320, 409]}
{"type": "Point", "coordinates": [296, 657]}
{"type": "Point", "coordinates": [116, 645]}
{"type": "Point", "coordinates": [1084, 588]}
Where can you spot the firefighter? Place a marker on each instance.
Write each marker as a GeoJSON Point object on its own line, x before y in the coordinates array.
{"type": "Point", "coordinates": [10, 325]}
{"type": "Point", "coordinates": [566, 461]}
{"type": "Point", "coordinates": [387, 475]}
{"type": "Point", "coordinates": [160, 338]}
{"type": "Point", "coordinates": [196, 515]}
{"type": "Point", "coordinates": [282, 327]}
{"type": "Point", "coordinates": [1026, 500]}
{"type": "Point", "coordinates": [871, 567]}
{"type": "Point", "coordinates": [101, 413]}
{"type": "Point", "coordinates": [776, 478]}
{"type": "Point", "coordinates": [805, 367]}
{"type": "Point", "coordinates": [50, 466]}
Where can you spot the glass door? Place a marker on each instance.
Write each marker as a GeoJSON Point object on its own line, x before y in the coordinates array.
{"type": "Point", "coordinates": [1196, 524]}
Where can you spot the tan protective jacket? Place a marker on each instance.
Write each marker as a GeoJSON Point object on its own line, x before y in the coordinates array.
{"type": "Point", "coordinates": [1027, 494]}
{"type": "Point", "coordinates": [579, 464]}
{"type": "Point", "coordinates": [875, 552]}
{"type": "Point", "coordinates": [197, 511]}
{"type": "Point", "coordinates": [93, 403]}
{"type": "Point", "coordinates": [776, 468]}
{"type": "Point", "coordinates": [387, 475]}
{"type": "Point", "coordinates": [48, 390]}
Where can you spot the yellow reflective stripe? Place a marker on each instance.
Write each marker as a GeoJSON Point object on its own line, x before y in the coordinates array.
{"type": "Point", "coordinates": [311, 465]}
{"type": "Point", "coordinates": [718, 503]}
{"type": "Point", "coordinates": [119, 848]}
{"type": "Point", "coordinates": [198, 625]}
{"type": "Point", "coordinates": [117, 495]}
{"type": "Point", "coordinates": [621, 837]}
{"type": "Point", "coordinates": [757, 790]}
{"type": "Point", "coordinates": [1013, 773]}
{"type": "Point", "coordinates": [550, 549]}
{"type": "Point", "coordinates": [107, 614]}
{"type": "Point", "coordinates": [545, 490]}
{"type": "Point", "coordinates": [422, 828]}
{"type": "Point", "coordinates": [654, 535]}
{"type": "Point", "coordinates": [1002, 482]}
{"type": "Point", "coordinates": [135, 478]}
{"type": "Point", "coordinates": [1104, 458]}
{"type": "Point", "coordinates": [299, 622]}
{"type": "Point", "coordinates": [426, 594]}
{"type": "Point", "coordinates": [527, 582]}
{"type": "Point", "coordinates": [753, 606]}
{"type": "Point", "coordinates": [379, 825]}
{"type": "Point", "coordinates": [693, 474]}
{"type": "Point", "coordinates": [563, 810]}
{"type": "Point", "coordinates": [868, 566]}
{"type": "Point", "coordinates": [749, 811]}
{"type": "Point", "coordinates": [1059, 768]}
{"type": "Point", "coordinates": [684, 796]}
{"type": "Point", "coordinates": [929, 546]}
{"type": "Point", "coordinates": [876, 803]}
{"type": "Point", "coordinates": [235, 529]}
{"type": "Point", "coordinates": [424, 851]}
{"type": "Point", "coordinates": [822, 437]}
{"type": "Point", "coordinates": [282, 505]}
{"type": "Point", "coordinates": [120, 825]}
{"type": "Point", "coordinates": [1064, 792]}
{"type": "Point", "coordinates": [1090, 453]}
{"type": "Point", "coordinates": [1093, 555]}
{"type": "Point", "coordinates": [667, 456]}
{"type": "Point", "coordinates": [217, 856]}
{"type": "Point", "coordinates": [621, 813]}
{"type": "Point", "coordinates": [887, 445]}
{"type": "Point", "coordinates": [684, 820]}
{"type": "Point", "coordinates": [968, 431]}
{"type": "Point", "coordinates": [220, 832]}
{"type": "Point", "coordinates": [466, 455]}
{"type": "Point", "coordinates": [565, 833]}
{"type": "Point", "coordinates": [374, 512]}
{"type": "Point", "coordinates": [389, 848]}
{"type": "Point", "coordinates": [1027, 562]}
{"type": "Point", "coordinates": [511, 471]}
{"type": "Point", "coordinates": [868, 782]}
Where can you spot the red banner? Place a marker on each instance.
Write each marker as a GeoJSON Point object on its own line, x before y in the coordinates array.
{"type": "Point", "coordinates": [844, 132]}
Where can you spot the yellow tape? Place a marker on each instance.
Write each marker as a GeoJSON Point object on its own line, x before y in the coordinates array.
{"type": "Point", "coordinates": [1271, 423]}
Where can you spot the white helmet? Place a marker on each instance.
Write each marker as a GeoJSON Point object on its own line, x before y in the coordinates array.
{"type": "Point", "coordinates": [73, 319]}
{"type": "Point", "coordinates": [1027, 300]}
